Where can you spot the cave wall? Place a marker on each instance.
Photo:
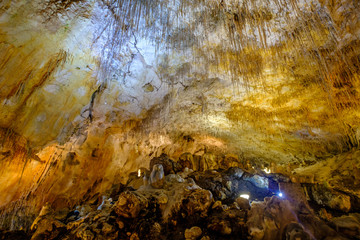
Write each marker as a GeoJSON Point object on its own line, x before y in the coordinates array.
{"type": "Point", "coordinates": [90, 91]}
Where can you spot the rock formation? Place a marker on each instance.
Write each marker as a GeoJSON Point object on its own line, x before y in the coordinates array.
{"type": "Point", "coordinates": [179, 119]}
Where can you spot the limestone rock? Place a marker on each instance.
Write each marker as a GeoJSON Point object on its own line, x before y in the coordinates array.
{"type": "Point", "coordinates": [85, 234]}
{"type": "Point", "coordinates": [229, 161]}
{"type": "Point", "coordinates": [294, 231]}
{"type": "Point", "coordinates": [129, 204]}
{"type": "Point", "coordinates": [105, 204]}
{"type": "Point", "coordinates": [258, 181]}
{"type": "Point", "coordinates": [46, 210]}
{"type": "Point", "coordinates": [266, 218]}
{"type": "Point", "coordinates": [348, 225]}
{"type": "Point", "coordinates": [48, 229]}
{"type": "Point", "coordinates": [243, 203]}
{"type": "Point", "coordinates": [107, 228]}
{"type": "Point", "coordinates": [197, 201]}
{"type": "Point", "coordinates": [174, 178]}
{"type": "Point", "coordinates": [169, 166]}
{"type": "Point", "coordinates": [155, 230]}
{"type": "Point", "coordinates": [193, 233]}
{"type": "Point", "coordinates": [208, 161]}
{"type": "Point", "coordinates": [330, 198]}
{"type": "Point", "coordinates": [222, 226]}
{"type": "Point", "coordinates": [235, 172]}
{"type": "Point", "coordinates": [186, 161]}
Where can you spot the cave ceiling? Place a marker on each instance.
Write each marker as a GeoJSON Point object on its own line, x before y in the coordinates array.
{"type": "Point", "coordinates": [116, 82]}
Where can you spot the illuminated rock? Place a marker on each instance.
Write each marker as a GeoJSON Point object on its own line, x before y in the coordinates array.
{"type": "Point", "coordinates": [208, 162]}
{"type": "Point", "coordinates": [91, 91]}
{"type": "Point", "coordinates": [157, 176]}
{"type": "Point", "coordinates": [243, 203]}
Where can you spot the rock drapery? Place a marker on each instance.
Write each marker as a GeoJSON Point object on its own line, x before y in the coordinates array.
{"type": "Point", "coordinates": [93, 93]}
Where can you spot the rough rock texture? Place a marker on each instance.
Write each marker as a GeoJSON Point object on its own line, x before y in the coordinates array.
{"type": "Point", "coordinates": [181, 209]}
{"type": "Point", "coordinates": [231, 97]}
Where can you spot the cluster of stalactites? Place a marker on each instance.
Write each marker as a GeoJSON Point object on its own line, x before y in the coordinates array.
{"type": "Point", "coordinates": [259, 34]}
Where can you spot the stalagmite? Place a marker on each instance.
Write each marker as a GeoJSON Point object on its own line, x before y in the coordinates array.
{"type": "Point", "coordinates": [179, 119]}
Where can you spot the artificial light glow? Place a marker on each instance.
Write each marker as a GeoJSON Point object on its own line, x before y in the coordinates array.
{"type": "Point", "coordinates": [139, 173]}
{"type": "Point", "coordinates": [246, 196]}
{"type": "Point", "coordinates": [266, 170]}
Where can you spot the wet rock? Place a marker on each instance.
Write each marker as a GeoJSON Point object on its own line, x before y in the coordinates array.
{"type": "Point", "coordinates": [193, 233]}
{"type": "Point", "coordinates": [129, 204]}
{"type": "Point", "coordinates": [197, 201]}
{"type": "Point", "coordinates": [157, 176]}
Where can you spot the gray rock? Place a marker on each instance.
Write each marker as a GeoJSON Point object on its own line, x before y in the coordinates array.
{"type": "Point", "coordinates": [258, 181]}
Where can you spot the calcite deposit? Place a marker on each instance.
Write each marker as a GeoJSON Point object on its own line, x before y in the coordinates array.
{"type": "Point", "coordinates": [179, 119]}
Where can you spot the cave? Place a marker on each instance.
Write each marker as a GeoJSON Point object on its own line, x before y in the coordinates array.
{"type": "Point", "coordinates": [180, 119]}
